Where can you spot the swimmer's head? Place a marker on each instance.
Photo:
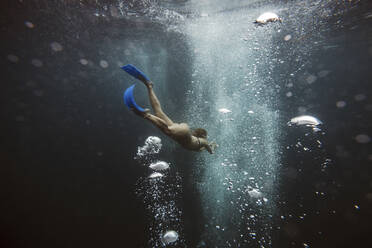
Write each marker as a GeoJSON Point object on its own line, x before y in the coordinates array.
{"type": "Point", "coordinates": [199, 132]}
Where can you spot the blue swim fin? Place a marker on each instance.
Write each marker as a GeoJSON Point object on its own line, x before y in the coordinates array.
{"type": "Point", "coordinates": [129, 99]}
{"type": "Point", "coordinates": [133, 71]}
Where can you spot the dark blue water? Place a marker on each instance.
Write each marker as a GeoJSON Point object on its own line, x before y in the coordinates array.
{"type": "Point", "coordinates": [68, 168]}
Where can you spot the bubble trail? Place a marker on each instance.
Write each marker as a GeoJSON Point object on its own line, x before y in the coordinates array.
{"type": "Point", "coordinates": [160, 193]}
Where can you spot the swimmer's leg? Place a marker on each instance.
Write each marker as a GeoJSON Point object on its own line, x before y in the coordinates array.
{"type": "Point", "coordinates": [160, 123]}
{"type": "Point", "coordinates": [156, 104]}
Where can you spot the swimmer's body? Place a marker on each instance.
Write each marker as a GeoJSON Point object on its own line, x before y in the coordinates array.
{"type": "Point", "coordinates": [194, 140]}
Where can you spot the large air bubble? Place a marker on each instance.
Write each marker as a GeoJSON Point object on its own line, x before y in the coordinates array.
{"type": "Point", "coordinates": [159, 166]}
{"type": "Point", "coordinates": [267, 17]}
{"type": "Point", "coordinates": [170, 237]}
{"type": "Point", "coordinates": [306, 120]}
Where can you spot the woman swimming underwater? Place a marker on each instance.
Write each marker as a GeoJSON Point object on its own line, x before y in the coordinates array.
{"type": "Point", "coordinates": [194, 140]}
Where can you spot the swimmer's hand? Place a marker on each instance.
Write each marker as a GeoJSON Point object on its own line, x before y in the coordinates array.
{"type": "Point", "coordinates": [212, 146]}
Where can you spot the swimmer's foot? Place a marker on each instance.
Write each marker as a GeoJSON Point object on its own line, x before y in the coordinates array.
{"type": "Point", "coordinates": [148, 84]}
{"type": "Point", "coordinates": [140, 113]}
{"type": "Point", "coordinates": [134, 72]}
{"type": "Point", "coordinates": [144, 80]}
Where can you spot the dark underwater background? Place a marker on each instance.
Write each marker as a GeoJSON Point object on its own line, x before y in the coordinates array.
{"type": "Point", "coordinates": [69, 169]}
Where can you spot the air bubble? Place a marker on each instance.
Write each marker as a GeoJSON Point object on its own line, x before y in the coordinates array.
{"type": "Point", "coordinates": [103, 64]}
{"type": "Point", "coordinates": [267, 17]}
{"type": "Point", "coordinates": [29, 24]}
{"type": "Point", "coordinates": [159, 166]}
{"type": "Point", "coordinates": [56, 46]}
{"type": "Point", "coordinates": [360, 97]}
{"type": "Point", "coordinates": [254, 193]}
{"type": "Point", "coordinates": [340, 104]}
{"type": "Point", "coordinates": [37, 62]}
{"type": "Point", "coordinates": [224, 110]}
{"type": "Point", "coordinates": [13, 58]}
{"type": "Point", "coordinates": [156, 175]}
{"type": "Point", "coordinates": [83, 61]}
{"type": "Point", "coordinates": [170, 237]}
{"type": "Point", "coordinates": [306, 120]}
{"type": "Point", "coordinates": [311, 79]}
{"type": "Point", "coordinates": [362, 138]}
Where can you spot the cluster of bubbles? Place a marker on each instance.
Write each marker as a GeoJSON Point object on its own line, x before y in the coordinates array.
{"type": "Point", "coordinates": [237, 184]}
{"type": "Point", "coordinates": [160, 191]}
{"type": "Point", "coordinates": [248, 201]}
{"type": "Point", "coordinates": [257, 189]}
{"type": "Point", "coordinates": [152, 146]}
{"type": "Point", "coordinates": [312, 143]}
{"type": "Point", "coordinates": [308, 146]}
